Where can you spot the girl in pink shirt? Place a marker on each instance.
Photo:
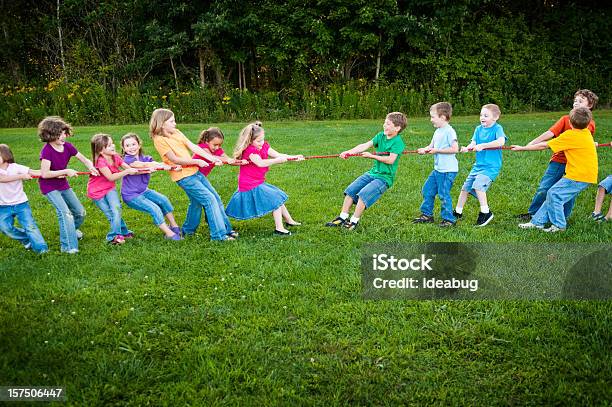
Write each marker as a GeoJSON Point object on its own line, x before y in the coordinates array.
{"type": "Point", "coordinates": [254, 197]}
{"type": "Point", "coordinates": [211, 141]}
{"type": "Point", "coordinates": [101, 188]}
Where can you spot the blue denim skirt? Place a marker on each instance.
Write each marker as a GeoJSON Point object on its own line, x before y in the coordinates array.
{"type": "Point", "coordinates": [256, 202]}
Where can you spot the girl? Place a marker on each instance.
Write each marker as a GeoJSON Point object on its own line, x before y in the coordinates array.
{"type": "Point", "coordinates": [211, 140]}
{"type": "Point", "coordinates": [14, 203]}
{"type": "Point", "coordinates": [135, 191]}
{"type": "Point", "coordinates": [175, 148]}
{"type": "Point", "coordinates": [254, 197]}
{"type": "Point", "coordinates": [54, 158]}
{"type": "Point", "coordinates": [101, 188]}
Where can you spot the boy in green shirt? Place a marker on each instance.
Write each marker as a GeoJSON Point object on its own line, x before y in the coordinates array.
{"type": "Point", "coordinates": [366, 189]}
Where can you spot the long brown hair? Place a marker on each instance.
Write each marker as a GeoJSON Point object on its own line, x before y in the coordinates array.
{"type": "Point", "coordinates": [135, 137]}
{"type": "Point", "coordinates": [6, 154]}
{"type": "Point", "coordinates": [99, 143]}
{"type": "Point", "coordinates": [210, 134]}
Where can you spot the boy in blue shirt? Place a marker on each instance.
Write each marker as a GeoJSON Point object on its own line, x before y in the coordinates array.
{"type": "Point", "coordinates": [366, 189]}
{"type": "Point", "coordinates": [489, 134]}
{"type": "Point", "coordinates": [444, 147]}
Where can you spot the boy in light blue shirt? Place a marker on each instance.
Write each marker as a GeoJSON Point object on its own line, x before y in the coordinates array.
{"type": "Point", "coordinates": [443, 146]}
{"type": "Point", "coordinates": [489, 135]}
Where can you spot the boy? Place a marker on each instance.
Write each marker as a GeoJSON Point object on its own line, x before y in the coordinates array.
{"type": "Point", "coordinates": [366, 189]}
{"type": "Point", "coordinates": [443, 146]}
{"type": "Point", "coordinates": [489, 134]}
{"type": "Point", "coordinates": [556, 166]}
{"type": "Point", "coordinates": [581, 170]}
{"type": "Point", "coordinates": [605, 187]}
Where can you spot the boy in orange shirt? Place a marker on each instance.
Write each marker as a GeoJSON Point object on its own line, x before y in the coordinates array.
{"type": "Point", "coordinates": [581, 170]}
{"type": "Point", "coordinates": [556, 167]}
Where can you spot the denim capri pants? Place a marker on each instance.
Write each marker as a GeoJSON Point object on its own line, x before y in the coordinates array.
{"type": "Point", "coordinates": [476, 182]}
{"type": "Point", "coordinates": [153, 203]}
{"type": "Point", "coordinates": [366, 187]}
{"type": "Point", "coordinates": [607, 184]}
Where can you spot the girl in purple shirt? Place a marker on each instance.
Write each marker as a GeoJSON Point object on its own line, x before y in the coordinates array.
{"type": "Point", "coordinates": [255, 197]}
{"type": "Point", "coordinates": [54, 170]}
{"type": "Point", "coordinates": [135, 188]}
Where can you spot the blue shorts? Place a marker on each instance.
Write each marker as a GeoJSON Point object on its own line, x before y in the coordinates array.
{"type": "Point", "coordinates": [476, 182]}
{"type": "Point", "coordinates": [366, 187]}
{"type": "Point", "coordinates": [607, 184]}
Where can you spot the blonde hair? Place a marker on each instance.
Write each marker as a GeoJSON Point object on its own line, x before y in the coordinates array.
{"type": "Point", "coordinates": [50, 128]}
{"type": "Point", "coordinates": [209, 134]}
{"type": "Point", "coordinates": [442, 109]}
{"type": "Point", "coordinates": [99, 143]}
{"type": "Point", "coordinates": [493, 108]}
{"type": "Point", "coordinates": [158, 118]}
{"type": "Point", "coordinates": [135, 137]}
{"type": "Point", "coordinates": [246, 137]}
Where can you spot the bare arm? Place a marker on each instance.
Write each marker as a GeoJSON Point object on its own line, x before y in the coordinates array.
{"type": "Point", "coordinates": [185, 161]}
{"type": "Point", "coordinates": [454, 148]}
{"type": "Point", "coordinates": [106, 172]}
{"type": "Point", "coordinates": [196, 149]}
{"type": "Point", "coordinates": [531, 147]}
{"type": "Point", "coordinates": [491, 144]}
{"type": "Point", "coordinates": [46, 172]}
{"type": "Point", "coordinates": [87, 162]}
{"type": "Point", "coordinates": [387, 159]}
{"type": "Point", "coordinates": [260, 162]}
{"type": "Point", "coordinates": [275, 154]}
{"type": "Point", "coordinates": [360, 148]}
{"type": "Point", "coordinates": [547, 135]}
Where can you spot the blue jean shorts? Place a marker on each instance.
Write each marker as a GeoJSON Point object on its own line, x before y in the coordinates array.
{"type": "Point", "coordinates": [607, 184]}
{"type": "Point", "coordinates": [476, 182]}
{"type": "Point", "coordinates": [366, 187]}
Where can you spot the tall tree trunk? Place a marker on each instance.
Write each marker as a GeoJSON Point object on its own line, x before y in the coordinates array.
{"type": "Point", "coordinates": [61, 43]}
{"type": "Point", "coordinates": [239, 76]}
{"type": "Point", "coordinates": [202, 67]}
{"type": "Point", "coordinates": [378, 58]}
{"type": "Point", "coordinates": [175, 76]}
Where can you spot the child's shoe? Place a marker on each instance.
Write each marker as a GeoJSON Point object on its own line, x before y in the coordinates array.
{"type": "Point", "coordinates": [128, 236]}
{"type": "Point", "coordinates": [529, 225]}
{"type": "Point", "coordinates": [553, 229]}
{"type": "Point", "coordinates": [446, 224]}
{"type": "Point", "coordinates": [294, 224]}
{"type": "Point", "coordinates": [423, 219]}
{"type": "Point", "coordinates": [176, 230]}
{"type": "Point", "coordinates": [337, 222]}
{"type": "Point", "coordinates": [483, 219]}
{"type": "Point", "coordinates": [117, 240]}
{"type": "Point", "coordinates": [524, 216]}
{"type": "Point", "coordinates": [457, 215]}
{"type": "Point", "coordinates": [28, 246]}
{"type": "Point", "coordinates": [350, 225]}
{"type": "Point", "coordinates": [233, 234]}
{"type": "Point", "coordinates": [598, 217]}
{"type": "Point", "coordinates": [175, 236]}
{"type": "Point", "coordinates": [79, 234]}
{"type": "Point", "coordinates": [281, 233]}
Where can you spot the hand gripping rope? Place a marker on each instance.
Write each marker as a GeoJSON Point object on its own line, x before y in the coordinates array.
{"type": "Point", "coordinates": [313, 157]}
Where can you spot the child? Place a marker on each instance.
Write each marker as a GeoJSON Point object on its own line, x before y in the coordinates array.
{"type": "Point", "coordinates": [489, 134]}
{"type": "Point", "coordinates": [556, 166]}
{"type": "Point", "coordinates": [211, 140]}
{"type": "Point", "coordinates": [135, 191]}
{"type": "Point", "coordinates": [101, 188]}
{"type": "Point", "coordinates": [14, 203]}
{"type": "Point", "coordinates": [443, 146]}
{"type": "Point", "coordinates": [605, 187]}
{"type": "Point", "coordinates": [581, 170]}
{"type": "Point", "coordinates": [366, 189]}
{"type": "Point", "coordinates": [176, 149]}
{"type": "Point", "coordinates": [255, 197]}
{"type": "Point", "coordinates": [54, 158]}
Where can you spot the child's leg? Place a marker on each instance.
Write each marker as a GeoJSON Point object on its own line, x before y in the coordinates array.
{"type": "Point", "coordinates": [111, 208]}
{"type": "Point", "coordinates": [359, 208]}
{"type": "Point", "coordinates": [217, 201]}
{"type": "Point", "coordinates": [277, 214]}
{"type": "Point", "coordinates": [554, 172]}
{"type": "Point", "coordinates": [463, 196]}
{"type": "Point", "coordinates": [429, 191]}
{"type": "Point", "coordinates": [24, 215]}
{"type": "Point", "coordinates": [368, 197]}
{"type": "Point", "coordinates": [76, 207]}
{"type": "Point", "coordinates": [445, 184]}
{"type": "Point", "coordinates": [558, 195]}
{"type": "Point", "coordinates": [609, 214]}
{"type": "Point", "coordinates": [65, 218]}
{"type": "Point", "coordinates": [482, 200]}
{"type": "Point", "coordinates": [163, 203]}
{"type": "Point", "coordinates": [346, 205]}
{"type": "Point", "coordinates": [601, 194]}
{"type": "Point", "coordinates": [7, 225]}
{"type": "Point", "coordinates": [200, 196]}
{"type": "Point", "coordinates": [143, 204]}
{"type": "Point", "coordinates": [287, 215]}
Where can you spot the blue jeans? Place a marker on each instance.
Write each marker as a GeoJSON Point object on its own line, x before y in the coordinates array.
{"type": "Point", "coordinates": [202, 194]}
{"type": "Point", "coordinates": [554, 172]}
{"type": "Point", "coordinates": [70, 215]}
{"type": "Point", "coordinates": [110, 205]}
{"type": "Point", "coordinates": [28, 232]}
{"type": "Point", "coordinates": [439, 183]}
{"type": "Point", "coordinates": [368, 188]}
{"type": "Point", "coordinates": [153, 203]}
{"type": "Point", "coordinates": [552, 208]}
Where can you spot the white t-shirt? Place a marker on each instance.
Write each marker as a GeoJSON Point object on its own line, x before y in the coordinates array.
{"type": "Point", "coordinates": [11, 193]}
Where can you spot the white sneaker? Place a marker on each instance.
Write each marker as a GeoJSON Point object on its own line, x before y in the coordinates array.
{"type": "Point", "coordinates": [79, 234]}
{"type": "Point", "coordinates": [530, 225]}
{"type": "Point", "coordinates": [553, 229]}
{"type": "Point", "coordinates": [27, 246]}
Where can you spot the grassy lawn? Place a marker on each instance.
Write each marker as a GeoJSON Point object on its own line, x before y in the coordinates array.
{"type": "Point", "coordinates": [268, 320]}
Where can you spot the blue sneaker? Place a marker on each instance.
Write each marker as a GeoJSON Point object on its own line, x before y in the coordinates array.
{"type": "Point", "coordinates": [176, 230]}
{"type": "Point", "coordinates": [175, 236]}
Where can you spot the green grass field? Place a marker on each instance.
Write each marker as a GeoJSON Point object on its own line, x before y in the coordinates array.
{"type": "Point", "coordinates": [268, 320]}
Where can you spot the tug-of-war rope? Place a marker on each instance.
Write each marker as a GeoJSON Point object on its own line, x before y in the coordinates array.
{"type": "Point", "coordinates": [313, 157]}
